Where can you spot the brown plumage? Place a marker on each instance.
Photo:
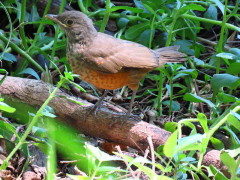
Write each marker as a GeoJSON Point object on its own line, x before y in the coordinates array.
{"type": "Point", "coordinates": [105, 61]}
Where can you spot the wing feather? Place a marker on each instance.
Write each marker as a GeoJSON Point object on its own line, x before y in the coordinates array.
{"type": "Point", "coordinates": [111, 54]}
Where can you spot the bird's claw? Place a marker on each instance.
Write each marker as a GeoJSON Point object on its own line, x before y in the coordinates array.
{"type": "Point", "coordinates": [124, 118]}
{"type": "Point", "coordinates": [91, 110]}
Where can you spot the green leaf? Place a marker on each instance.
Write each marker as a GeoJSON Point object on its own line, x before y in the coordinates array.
{"type": "Point", "coordinates": [140, 5]}
{"type": "Point", "coordinates": [160, 167]}
{"type": "Point", "coordinates": [219, 5]}
{"type": "Point", "coordinates": [217, 144]}
{"type": "Point", "coordinates": [8, 57]}
{"type": "Point", "coordinates": [33, 16]}
{"type": "Point", "coordinates": [203, 121]}
{"type": "Point", "coordinates": [234, 152]}
{"type": "Point", "coordinates": [170, 145]}
{"type": "Point", "coordinates": [122, 22]}
{"type": "Point", "coordinates": [111, 168]}
{"type": "Point", "coordinates": [7, 130]}
{"type": "Point", "coordinates": [149, 8]}
{"type": "Point", "coordinates": [224, 80]}
{"type": "Point", "coordinates": [3, 71]}
{"type": "Point", "coordinates": [169, 92]}
{"type": "Point", "coordinates": [6, 108]}
{"type": "Point", "coordinates": [16, 41]}
{"type": "Point", "coordinates": [100, 155]}
{"type": "Point", "coordinates": [236, 115]}
{"type": "Point", "coordinates": [170, 126]}
{"type": "Point", "coordinates": [188, 28]}
{"type": "Point", "coordinates": [211, 13]}
{"type": "Point", "coordinates": [193, 142]}
{"type": "Point", "coordinates": [198, 62]}
{"type": "Point", "coordinates": [234, 121]}
{"type": "Point", "coordinates": [195, 98]}
{"type": "Point", "coordinates": [192, 72]}
{"type": "Point", "coordinates": [234, 68]}
{"type": "Point", "coordinates": [191, 126]}
{"type": "Point", "coordinates": [77, 86]}
{"type": "Point", "coordinates": [148, 171]}
{"type": "Point", "coordinates": [226, 98]}
{"type": "Point", "coordinates": [134, 31]}
{"type": "Point", "coordinates": [87, 3]}
{"type": "Point", "coordinates": [235, 51]}
{"type": "Point", "coordinates": [125, 157]}
{"type": "Point", "coordinates": [193, 7]}
{"type": "Point", "coordinates": [195, 176]}
{"type": "Point", "coordinates": [175, 105]}
{"type": "Point", "coordinates": [71, 99]}
{"type": "Point", "coordinates": [227, 56]}
{"type": "Point", "coordinates": [4, 165]}
{"type": "Point", "coordinates": [229, 162]}
{"type": "Point", "coordinates": [216, 173]}
{"type": "Point", "coordinates": [5, 75]}
{"type": "Point", "coordinates": [185, 47]}
{"type": "Point", "coordinates": [42, 39]}
{"type": "Point", "coordinates": [68, 75]}
{"type": "Point", "coordinates": [135, 10]}
{"type": "Point", "coordinates": [31, 72]}
{"type": "Point", "coordinates": [48, 112]}
{"type": "Point", "coordinates": [234, 139]}
{"type": "Point", "coordinates": [188, 159]}
{"type": "Point", "coordinates": [154, 4]}
{"type": "Point", "coordinates": [40, 132]}
{"type": "Point", "coordinates": [139, 159]}
{"type": "Point", "coordinates": [144, 37]}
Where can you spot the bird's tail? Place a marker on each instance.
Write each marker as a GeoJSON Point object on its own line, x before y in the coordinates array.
{"type": "Point", "coordinates": [170, 54]}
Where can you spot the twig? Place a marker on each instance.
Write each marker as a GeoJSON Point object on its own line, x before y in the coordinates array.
{"type": "Point", "coordinates": [126, 163]}
{"type": "Point", "coordinates": [206, 41]}
{"type": "Point", "coordinates": [145, 156]}
{"type": "Point", "coordinates": [149, 138]}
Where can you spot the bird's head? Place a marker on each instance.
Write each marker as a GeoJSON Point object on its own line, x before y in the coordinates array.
{"type": "Point", "coordinates": [76, 24]}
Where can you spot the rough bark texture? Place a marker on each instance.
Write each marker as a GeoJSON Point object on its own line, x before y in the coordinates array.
{"type": "Point", "coordinates": [132, 133]}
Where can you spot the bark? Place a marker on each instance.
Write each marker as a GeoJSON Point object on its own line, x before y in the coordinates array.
{"type": "Point", "coordinates": [132, 133]}
{"type": "Point", "coordinates": [105, 124]}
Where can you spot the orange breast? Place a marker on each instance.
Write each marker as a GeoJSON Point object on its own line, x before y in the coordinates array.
{"type": "Point", "coordinates": [102, 80]}
{"type": "Point", "coordinates": [108, 81]}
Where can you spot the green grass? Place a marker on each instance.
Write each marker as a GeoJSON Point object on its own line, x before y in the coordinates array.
{"type": "Point", "coordinates": [203, 91]}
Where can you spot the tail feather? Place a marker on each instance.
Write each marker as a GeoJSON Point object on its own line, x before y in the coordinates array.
{"type": "Point", "coordinates": [170, 54]}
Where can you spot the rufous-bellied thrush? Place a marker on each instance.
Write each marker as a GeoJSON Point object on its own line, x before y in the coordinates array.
{"type": "Point", "coordinates": [107, 62]}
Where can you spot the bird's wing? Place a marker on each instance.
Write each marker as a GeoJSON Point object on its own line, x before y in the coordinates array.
{"type": "Point", "coordinates": [110, 55]}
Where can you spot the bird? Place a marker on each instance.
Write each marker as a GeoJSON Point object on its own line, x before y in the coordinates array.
{"type": "Point", "coordinates": [107, 62]}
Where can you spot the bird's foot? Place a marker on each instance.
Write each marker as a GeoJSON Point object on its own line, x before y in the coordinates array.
{"type": "Point", "coordinates": [124, 118]}
{"type": "Point", "coordinates": [92, 110]}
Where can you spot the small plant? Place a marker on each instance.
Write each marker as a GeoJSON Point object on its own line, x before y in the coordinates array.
{"type": "Point", "coordinates": [203, 93]}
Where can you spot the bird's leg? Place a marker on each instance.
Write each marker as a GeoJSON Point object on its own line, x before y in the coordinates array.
{"type": "Point", "coordinates": [131, 104]}
{"type": "Point", "coordinates": [124, 118]}
{"type": "Point", "coordinates": [98, 104]}
{"type": "Point", "coordinates": [94, 109]}
{"type": "Point", "coordinates": [130, 107]}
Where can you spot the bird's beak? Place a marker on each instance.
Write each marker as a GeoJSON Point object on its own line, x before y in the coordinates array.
{"type": "Point", "coordinates": [54, 18]}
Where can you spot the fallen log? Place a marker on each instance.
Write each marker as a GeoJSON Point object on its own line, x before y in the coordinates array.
{"type": "Point", "coordinates": [132, 133]}
{"type": "Point", "coordinates": [103, 125]}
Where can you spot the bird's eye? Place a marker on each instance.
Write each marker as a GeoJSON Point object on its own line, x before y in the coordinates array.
{"type": "Point", "coordinates": [69, 22]}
